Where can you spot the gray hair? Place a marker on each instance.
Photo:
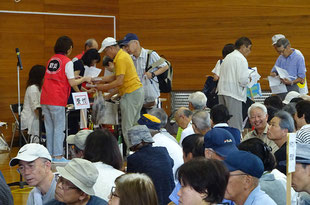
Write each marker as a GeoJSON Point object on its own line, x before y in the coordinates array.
{"type": "Point", "coordinates": [201, 119]}
{"type": "Point", "coordinates": [286, 120]}
{"type": "Point", "coordinates": [257, 105]}
{"type": "Point", "coordinates": [198, 100]}
{"type": "Point", "coordinates": [283, 42]}
{"type": "Point", "coordinates": [89, 42]}
{"type": "Point", "coordinates": [160, 114]}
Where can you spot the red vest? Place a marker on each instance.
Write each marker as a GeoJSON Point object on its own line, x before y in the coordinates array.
{"type": "Point", "coordinates": [56, 87]}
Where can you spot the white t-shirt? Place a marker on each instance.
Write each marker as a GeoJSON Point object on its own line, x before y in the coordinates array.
{"type": "Point", "coordinates": [187, 131]}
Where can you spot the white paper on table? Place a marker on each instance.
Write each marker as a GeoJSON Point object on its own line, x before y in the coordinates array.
{"type": "Point", "coordinates": [283, 73]}
{"type": "Point", "coordinates": [276, 86]}
{"type": "Point", "coordinates": [255, 76]}
{"type": "Point", "coordinates": [91, 71]}
{"type": "Point", "coordinates": [291, 152]}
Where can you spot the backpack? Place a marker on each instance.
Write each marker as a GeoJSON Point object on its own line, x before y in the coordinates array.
{"type": "Point", "coordinates": [164, 79]}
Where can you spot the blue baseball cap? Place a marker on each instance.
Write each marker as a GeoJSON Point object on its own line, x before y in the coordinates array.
{"type": "Point", "coordinates": [150, 121]}
{"type": "Point", "coordinates": [302, 153]}
{"type": "Point", "coordinates": [129, 37]}
{"type": "Point", "coordinates": [245, 162]}
{"type": "Point", "coordinates": [221, 141]}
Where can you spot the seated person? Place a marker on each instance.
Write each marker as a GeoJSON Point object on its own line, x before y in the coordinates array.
{"type": "Point", "coordinates": [153, 161]}
{"type": "Point", "coordinates": [273, 182]}
{"type": "Point", "coordinates": [75, 184]}
{"type": "Point", "coordinates": [101, 148]}
{"type": "Point", "coordinates": [133, 189]}
{"type": "Point", "coordinates": [243, 186]}
{"type": "Point", "coordinates": [34, 163]}
{"type": "Point", "coordinates": [6, 197]}
{"type": "Point", "coordinates": [206, 188]}
{"type": "Point", "coordinates": [219, 115]}
{"type": "Point", "coordinates": [30, 114]}
{"type": "Point", "coordinates": [78, 142]}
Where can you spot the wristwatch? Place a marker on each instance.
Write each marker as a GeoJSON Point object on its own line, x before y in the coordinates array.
{"type": "Point", "coordinates": [153, 74]}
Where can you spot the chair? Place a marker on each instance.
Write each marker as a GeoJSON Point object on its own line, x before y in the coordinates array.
{"type": "Point", "coordinates": [14, 110]}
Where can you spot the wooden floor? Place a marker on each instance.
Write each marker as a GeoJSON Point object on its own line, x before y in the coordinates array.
{"type": "Point", "coordinates": [11, 175]}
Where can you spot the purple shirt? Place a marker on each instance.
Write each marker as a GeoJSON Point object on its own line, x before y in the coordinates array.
{"type": "Point", "coordinates": [294, 64]}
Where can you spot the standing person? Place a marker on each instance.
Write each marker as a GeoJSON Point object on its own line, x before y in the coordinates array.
{"type": "Point", "coordinates": [292, 62]}
{"type": "Point", "coordinates": [140, 56]}
{"type": "Point", "coordinates": [234, 78]}
{"type": "Point", "coordinates": [89, 44]}
{"type": "Point", "coordinates": [127, 80]}
{"type": "Point", "coordinates": [35, 166]}
{"type": "Point", "coordinates": [30, 113]}
{"type": "Point", "coordinates": [58, 79]}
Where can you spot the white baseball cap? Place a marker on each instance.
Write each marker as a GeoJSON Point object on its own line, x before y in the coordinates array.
{"type": "Point", "coordinates": [276, 37]}
{"type": "Point", "coordinates": [109, 41]}
{"type": "Point", "coordinates": [289, 96]}
{"type": "Point", "coordinates": [30, 152]}
{"type": "Point", "coordinates": [79, 138]}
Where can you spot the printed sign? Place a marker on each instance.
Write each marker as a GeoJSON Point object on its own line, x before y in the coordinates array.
{"type": "Point", "coordinates": [80, 100]}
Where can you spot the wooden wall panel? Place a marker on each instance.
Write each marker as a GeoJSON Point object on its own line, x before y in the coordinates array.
{"type": "Point", "coordinates": [35, 36]}
{"type": "Point", "coordinates": [191, 34]}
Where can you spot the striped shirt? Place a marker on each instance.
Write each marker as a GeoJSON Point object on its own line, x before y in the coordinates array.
{"type": "Point", "coordinates": [303, 135]}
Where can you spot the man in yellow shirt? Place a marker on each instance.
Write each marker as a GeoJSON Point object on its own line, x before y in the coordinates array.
{"type": "Point", "coordinates": [128, 84]}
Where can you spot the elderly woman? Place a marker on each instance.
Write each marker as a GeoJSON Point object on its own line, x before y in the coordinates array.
{"type": "Point", "coordinates": [133, 189]}
{"type": "Point", "coordinates": [203, 182]}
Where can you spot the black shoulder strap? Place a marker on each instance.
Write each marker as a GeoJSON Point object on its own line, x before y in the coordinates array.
{"type": "Point", "coordinates": [148, 60]}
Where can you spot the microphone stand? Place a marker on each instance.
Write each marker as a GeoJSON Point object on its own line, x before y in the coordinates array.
{"type": "Point", "coordinates": [20, 183]}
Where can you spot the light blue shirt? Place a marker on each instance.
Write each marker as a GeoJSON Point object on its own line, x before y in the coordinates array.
{"type": "Point", "coordinates": [294, 64]}
{"type": "Point", "coordinates": [259, 197]}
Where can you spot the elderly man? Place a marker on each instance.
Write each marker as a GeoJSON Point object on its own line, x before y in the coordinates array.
{"type": "Point", "coordinates": [34, 163]}
{"type": "Point", "coordinates": [258, 117]}
{"type": "Point", "coordinates": [243, 186]}
{"type": "Point", "coordinates": [302, 119]}
{"type": "Point", "coordinates": [89, 44]}
{"type": "Point", "coordinates": [183, 117]}
{"type": "Point", "coordinates": [128, 84]}
{"type": "Point", "coordinates": [78, 140]}
{"type": "Point", "coordinates": [153, 161]}
{"type": "Point", "coordinates": [301, 176]}
{"type": "Point", "coordinates": [280, 125]}
{"type": "Point", "coordinates": [197, 101]}
{"type": "Point", "coordinates": [201, 122]}
{"type": "Point", "coordinates": [75, 184]}
{"type": "Point", "coordinates": [161, 140]}
{"type": "Point", "coordinates": [219, 143]}
{"type": "Point", "coordinates": [140, 58]}
{"type": "Point", "coordinates": [234, 78]}
{"type": "Point", "coordinates": [292, 62]}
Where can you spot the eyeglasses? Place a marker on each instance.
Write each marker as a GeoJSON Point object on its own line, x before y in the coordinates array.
{"type": "Point", "coordinates": [31, 166]}
{"type": "Point", "coordinates": [113, 192]}
{"type": "Point", "coordinates": [65, 184]}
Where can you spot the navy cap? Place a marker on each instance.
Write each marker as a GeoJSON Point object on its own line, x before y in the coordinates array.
{"type": "Point", "coordinates": [221, 141]}
{"type": "Point", "coordinates": [302, 153]}
{"type": "Point", "coordinates": [245, 162]}
{"type": "Point", "coordinates": [129, 37]}
{"type": "Point", "coordinates": [150, 121]}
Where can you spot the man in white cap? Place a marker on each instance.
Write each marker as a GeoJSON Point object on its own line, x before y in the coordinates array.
{"type": "Point", "coordinates": [75, 184]}
{"type": "Point", "coordinates": [34, 163]}
{"type": "Point", "coordinates": [128, 83]}
{"type": "Point", "coordinates": [291, 61]}
{"type": "Point", "coordinates": [78, 140]}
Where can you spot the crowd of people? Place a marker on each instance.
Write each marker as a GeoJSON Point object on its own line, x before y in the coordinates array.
{"type": "Point", "coordinates": [211, 160]}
